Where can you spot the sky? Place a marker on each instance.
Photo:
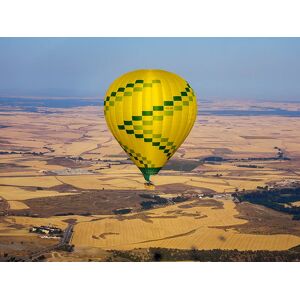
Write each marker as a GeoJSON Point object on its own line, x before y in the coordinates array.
{"type": "Point", "coordinates": [217, 68]}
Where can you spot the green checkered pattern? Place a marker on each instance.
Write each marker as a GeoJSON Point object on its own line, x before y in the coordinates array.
{"type": "Point", "coordinates": [136, 125]}
{"type": "Point", "coordinates": [146, 163]}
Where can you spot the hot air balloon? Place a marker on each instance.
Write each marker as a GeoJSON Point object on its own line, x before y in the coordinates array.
{"type": "Point", "coordinates": [150, 113]}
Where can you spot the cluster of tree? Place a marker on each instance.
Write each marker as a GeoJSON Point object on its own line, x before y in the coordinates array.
{"type": "Point", "coordinates": [212, 159]}
{"type": "Point", "coordinates": [250, 166]}
{"type": "Point", "coordinates": [159, 201]}
{"type": "Point", "coordinates": [21, 152]}
{"type": "Point", "coordinates": [122, 211]}
{"type": "Point", "coordinates": [274, 199]}
{"type": "Point", "coordinates": [152, 203]}
{"type": "Point", "coordinates": [61, 214]}
{"type": "Point", "coordinates": [64, 214]}
{"type": "Point", "coordinates": [11, 258]}
{"type": "Point", "coordinates": [22, 213]}
{"type": "Point", "coordinates": [216, 255]}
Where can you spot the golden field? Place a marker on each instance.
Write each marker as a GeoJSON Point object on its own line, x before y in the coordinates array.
{"type": "Point", "coordinates": [15, 205]}
{"type": "Point", "coordinates": [16, 193]}
{"type": "Point", "coordinates": [177, 227]}
{"type": "Point", "coordinates": [70, 152]}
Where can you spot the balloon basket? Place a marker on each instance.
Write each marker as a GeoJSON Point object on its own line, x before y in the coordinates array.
{"type": "Point", "coordinates": [149, 185]}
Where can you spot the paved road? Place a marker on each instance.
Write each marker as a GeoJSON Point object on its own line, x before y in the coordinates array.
{"type": "Point", "coordinates": [65, 240]}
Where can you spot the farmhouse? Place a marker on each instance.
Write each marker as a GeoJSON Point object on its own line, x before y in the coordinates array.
{"type": "Point", "coordinates": [55, 231]}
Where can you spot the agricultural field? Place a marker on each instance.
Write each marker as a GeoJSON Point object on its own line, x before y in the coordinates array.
{"type": "Point", "coordinates": [182, 226]}
{"type": "Point", "coordinates": [62, 165]}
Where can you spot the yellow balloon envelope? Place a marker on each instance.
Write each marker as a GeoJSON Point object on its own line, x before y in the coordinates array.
{"type": "Point", "coordinates": [150, 113]}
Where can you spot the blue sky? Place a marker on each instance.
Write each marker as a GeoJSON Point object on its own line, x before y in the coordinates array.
{"type": "Point", "coordinates": [217, 68]}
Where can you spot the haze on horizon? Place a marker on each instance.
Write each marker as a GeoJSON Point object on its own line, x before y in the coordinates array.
{"type": "Point", "coordinates": [217, 68]}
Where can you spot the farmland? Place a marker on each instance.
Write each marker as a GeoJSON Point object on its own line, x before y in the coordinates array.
{"type": "Point", "coordinates": [180, 227]}
{"type": "Point", "coordinates": [63, 165]}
